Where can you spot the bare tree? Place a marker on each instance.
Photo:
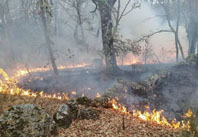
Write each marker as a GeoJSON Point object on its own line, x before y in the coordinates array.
{"type": "Point", "coordinates": [44, 10]}
{"type": "Point", "coordinates": [105, 9]}
{"type": "Point", "coordinates": [175, 30]}
{"type": "Point", "coordinates": [110, 28]}
{"type": "Point", "coordinates": [119, 13]}
{"type": "Point", "coordinates": [191, 14]}
{"type": "Point", "coordinates": [79, 17]}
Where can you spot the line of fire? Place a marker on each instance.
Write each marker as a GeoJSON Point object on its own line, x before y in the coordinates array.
{"type": "Point", "coordinates": [98, 68]}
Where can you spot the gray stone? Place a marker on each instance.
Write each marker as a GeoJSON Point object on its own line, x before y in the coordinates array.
{"type": "Point", "coordinates": [63, 116]}
{"type": "Point", "coordinates": [84, 101]}
{"type": "Point", "coordinates": [27, 120]}
{"type": "Point", "coordinates": [73, 105]}
{"type": "Point", "coordinates": [102, 102]}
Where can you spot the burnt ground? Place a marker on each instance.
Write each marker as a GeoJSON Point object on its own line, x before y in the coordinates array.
{"type": "Point", "coordinates": [87, 80]}
{"type": "Point", "coordinates": [178, 91]}
{"type": "Point", "coordinates": [173, 89]}
{"type": "Point", "coordinates": [170, 87]}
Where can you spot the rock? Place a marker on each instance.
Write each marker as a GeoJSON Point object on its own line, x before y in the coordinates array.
{"type": "Point", "coordinates": [27, 120]}
{"type": "Point", "coordinates": [84, 101]}
{"type": "Point", "coordinates": [63, 116]}
{"type": "Point", "coordinates": [73, 105]}
{"type": "Point", "coordinates": [88, 113]}
{"type": "Point", "coordinates": [102, 102]}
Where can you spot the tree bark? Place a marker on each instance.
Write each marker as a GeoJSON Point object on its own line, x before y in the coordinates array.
{"type": "Point", "coordinates": [47, 38]}
{"type": "Point", "coordinates": [192, 25]}
{"type": "Point", "coordinates": [105, 8]}
{"type": "Point", "coordinates": [192, 35]}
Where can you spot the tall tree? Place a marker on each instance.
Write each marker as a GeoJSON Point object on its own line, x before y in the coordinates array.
{"type": "Point", "coordinates": [176, 7]}
{"type": "Point", "coordinates": [80, 18]}
{"type": "Point", "coordinates": [191, 16]}
{"type": "Point", "coordinates": [44, 10]}
{"type": "Point", "coordinates": [105, 9]}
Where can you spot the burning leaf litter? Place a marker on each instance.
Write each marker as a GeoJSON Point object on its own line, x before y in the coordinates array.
{"type": "Point", "coordinates": [155, 117]}
{"type": "Point", "coordinates": [9, 86]}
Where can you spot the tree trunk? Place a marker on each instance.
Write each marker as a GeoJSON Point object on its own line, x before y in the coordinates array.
{"type": "Point", "coordinates": [177, 31]}
{"type": "Point", "coordinates": [105, 8]}
{"type": "Point", "coordinates": [47, 38]}
{"type": "Point", "coordinates": [192, 34]}
{"type": "Point", "coordinates": [177, 49]}
{"type": "Point", "coordinates": [82, 30]}
{"type": "Point", "coordinates": [192, 26]}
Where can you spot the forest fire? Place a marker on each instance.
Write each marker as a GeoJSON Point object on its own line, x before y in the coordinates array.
{"type": "Point", "coordinates": [21, 72]}
{"type": "Point", "coordinates": [154, 117]}
{"type": "Point", "coordinates": [130, 60]}
{"type": "Point", "coordinates": [98, 68]}
{"type": "Point", "coordinates": [9, 86]}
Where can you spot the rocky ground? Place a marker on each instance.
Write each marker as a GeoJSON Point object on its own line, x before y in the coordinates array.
{"type": "Point", "coordinates": [109, 123]}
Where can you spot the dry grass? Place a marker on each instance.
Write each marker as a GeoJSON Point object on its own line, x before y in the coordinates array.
{"type": "Point", "coordinates": [49, 105]}
{"type": "Point", "coordinates": [109, 124]}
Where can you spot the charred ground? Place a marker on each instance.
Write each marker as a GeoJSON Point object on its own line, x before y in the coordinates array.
{"type": "Point", "coordinates": [88, 80]}
{"type": "Point", "coordinates": [171, 87]}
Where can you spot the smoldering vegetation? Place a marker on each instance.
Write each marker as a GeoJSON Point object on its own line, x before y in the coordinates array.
{"type": "Point", "coordinates": [88, 81]}
{"type": "Point", "coordinates": [76, 38]}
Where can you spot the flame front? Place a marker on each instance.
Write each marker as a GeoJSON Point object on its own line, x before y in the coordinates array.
{"type": "Point", "coordinates": [8, 85]}
{"type": "Point", "coordinates": [21, 72]}
{"type": "Point", "coordinates": [154, 117]}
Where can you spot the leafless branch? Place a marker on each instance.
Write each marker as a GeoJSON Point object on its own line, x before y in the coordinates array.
{"type": "Point", "coordinates": [144, 38]}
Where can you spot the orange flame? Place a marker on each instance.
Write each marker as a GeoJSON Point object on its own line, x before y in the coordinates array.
{"type": "Point", "coordinates": [129, 59]}
{"type": "Point", "coordinates": [8, 86]}
{"type": "Point", "coordinates": [73, 93]}
{"type": "Point", "coordinates": [98, 95]}
{"type": "Point", "coordinates": [154, 117]}
{"type": "Point", "coordinates": [21, 72]}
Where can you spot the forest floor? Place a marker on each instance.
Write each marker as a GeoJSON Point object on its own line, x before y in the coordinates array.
{"type": "Point", "coordinates": [179, 80]}
{"type": "Point", "coordinates": [87, 81]}
{"type": "Point", "coordinates": [109, 124]}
